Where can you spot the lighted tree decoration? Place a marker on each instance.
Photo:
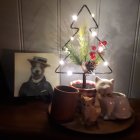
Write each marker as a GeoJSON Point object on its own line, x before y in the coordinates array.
{"type": "Point", "coordinates": [85, 55]}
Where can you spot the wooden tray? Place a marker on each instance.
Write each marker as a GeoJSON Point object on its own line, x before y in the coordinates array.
{"type": "Point", "coordinates": [102, 126]}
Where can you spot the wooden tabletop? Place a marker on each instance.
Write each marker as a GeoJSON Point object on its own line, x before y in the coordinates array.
{"type": "Point", "coordinates": [29, 119]}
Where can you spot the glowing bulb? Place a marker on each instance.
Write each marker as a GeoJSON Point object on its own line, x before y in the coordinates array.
{"type": "Point", "coordinates": [69, 73]}
{"type": "Point", "coordinates": [93, 15]}
{"type": "Point", "coordinates": [94, 33]}
{"type": "Point", "coordinates": [93, 73]}
{"type": "Point", "coordinates": [71, 38]}
{"type": "Point", "coordinates": [66, 49]}
{"type": "Point", "coordinates": [74, 17]}
{"type": "Point", "coordinates": [68, 52]}
{"type": "Point", "coordinates": [61, 62]}
{"type": "Point", "coordinates": [106, 63]}
{"type": "Point", "coordinates": [100, 49]}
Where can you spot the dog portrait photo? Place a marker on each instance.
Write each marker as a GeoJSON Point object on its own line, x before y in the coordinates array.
{"type": "Point", "coordinates": [35, 74]}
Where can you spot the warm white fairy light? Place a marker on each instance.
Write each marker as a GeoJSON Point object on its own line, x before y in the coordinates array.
{"type": "Point", "coordinates": [93, 73]}
{"type": "Point", "coordinates": [68, 52]}
{"type": "Point", "coordinates": [106, 63]}
{"type": "Point", "coordinates": [71, 38]}
{"type": "Point", "coordinates": [100, 49]}
{"type": "Point", "coordinates": [74, 17]}
{"type": "Point", "coordinates": [92, 15]}
{"type": "Point", "coordinates": [94, 33]}
{"type": "Point", "coordinates": [66, 49]}
{"type": "Point", "coordinates": [69, 73]}
{"type": "Point", "coordinates": [61, 62]}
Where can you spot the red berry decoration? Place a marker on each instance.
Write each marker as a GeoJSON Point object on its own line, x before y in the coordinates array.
{"type": "Point", "coordinates": [101, 43]}
{"type": "Point", "coordinates": [92, 55]}
{"type": "Point", "coordinates": [104, 43]}
{"type": "Point", "coordinates": [93, 48]}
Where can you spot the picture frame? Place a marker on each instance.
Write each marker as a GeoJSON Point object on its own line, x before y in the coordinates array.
{"type": "Point", "coordinates": [35, 74]}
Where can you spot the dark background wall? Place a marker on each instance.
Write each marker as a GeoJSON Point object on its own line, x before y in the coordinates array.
{"type": "Point", "coordinates": [43, 26]}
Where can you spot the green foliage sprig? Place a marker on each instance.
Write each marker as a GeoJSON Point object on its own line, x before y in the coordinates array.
{"type": "Point", "coordinates": [80, 53]}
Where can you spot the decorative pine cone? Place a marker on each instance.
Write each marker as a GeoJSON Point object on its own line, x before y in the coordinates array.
{"type": "Point", "coordinates": [88, 67]}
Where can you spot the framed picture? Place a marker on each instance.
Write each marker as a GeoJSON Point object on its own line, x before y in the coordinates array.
{"type": "Point", "coordinates": [35, 74]}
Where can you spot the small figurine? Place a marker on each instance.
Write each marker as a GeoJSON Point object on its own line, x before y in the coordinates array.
{"type": "Point", "coordinates": [114, 105]}
{"type": "Point", "coordinates": [90, 110]}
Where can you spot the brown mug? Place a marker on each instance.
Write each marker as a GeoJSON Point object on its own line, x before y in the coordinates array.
{"type": "Point", "coordinates": [64, 103]}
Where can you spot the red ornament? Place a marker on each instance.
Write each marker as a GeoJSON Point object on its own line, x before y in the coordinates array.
{"type": "Point", "coordinates": [104, 43]}
{"type": "Point", "coordinates": [101, 43]}
{"type": "Point", "coordinates": [93, 48]}
{"type": "Point", "coordinates": [92, 55]}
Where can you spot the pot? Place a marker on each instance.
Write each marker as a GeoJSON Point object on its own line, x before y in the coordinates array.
{"type": "Point", "coordinates": [89, 91]}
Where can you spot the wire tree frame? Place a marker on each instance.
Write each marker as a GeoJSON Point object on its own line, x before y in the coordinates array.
{"type": "Point", "coordinates": [91, 29]}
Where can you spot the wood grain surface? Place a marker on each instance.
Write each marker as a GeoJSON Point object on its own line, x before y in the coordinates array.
{"type": "Point", "coordinates": [30, 120]}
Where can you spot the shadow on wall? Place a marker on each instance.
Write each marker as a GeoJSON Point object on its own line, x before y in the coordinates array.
{"type": "Point", "coordinates": [7, 73]}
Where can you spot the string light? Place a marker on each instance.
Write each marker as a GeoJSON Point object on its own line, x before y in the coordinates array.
{"type": "Point", "coordinates": [100, 49]}
{"type": "Point", "coordinates": [66, 49]}
{"type": "Point", "coordinates": [93, 15]}
{"type": "Point", "coordinates": [61, 62]}
{"type": "Point", "coordinates": [106, 63]}
{"type": "Point", "coordinates": [69, 73]}
{"type": "Point", "coordinates": [74, 17]}
{"type": "Point", "coordinates": [93, 73]}
{"type": "Point", "coordinates": [71, 38]}
{"type": "Point", "coordinates": [94, 33]}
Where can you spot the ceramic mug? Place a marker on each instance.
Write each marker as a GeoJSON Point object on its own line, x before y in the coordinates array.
{"type": "Point", "coordinates": [64, 103]}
